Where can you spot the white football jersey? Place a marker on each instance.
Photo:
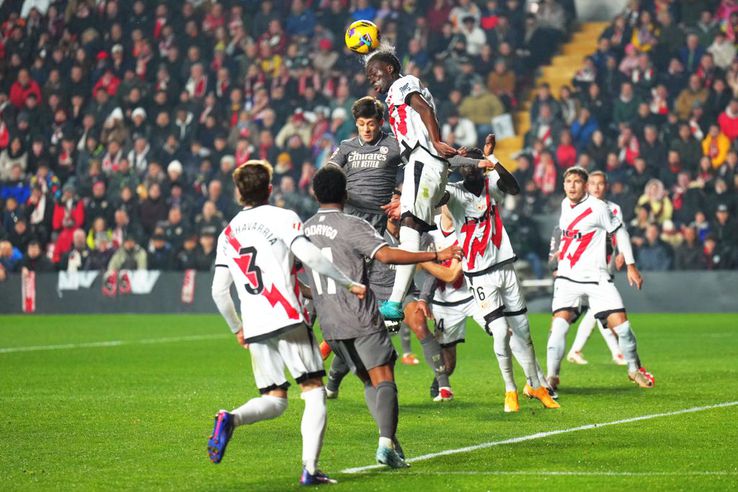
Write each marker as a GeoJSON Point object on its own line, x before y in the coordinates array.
{"type": "Point", "coordinates": [611, 251]}
{"type": "Point", "coordinates": [454, 292]}
{"type": "Point", "coordinates": [406, 123]}
{"type": "Point", "coordinates": [256, 249]}
{"type": "Point", "coordinates": [585, 229]}
{"type": "Point", "coordinates": [478, 226]}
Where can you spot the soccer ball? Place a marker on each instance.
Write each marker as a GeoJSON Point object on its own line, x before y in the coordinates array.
{"type": "Point", "coordinates": [362, 37]}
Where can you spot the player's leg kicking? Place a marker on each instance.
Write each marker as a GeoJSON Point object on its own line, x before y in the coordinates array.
{"type": "Point", "coordinates": [423, 186]}
{"type": "Point", "coordinates": [295, 350]}
{"type": "Point", "coordinates": [372, 359]}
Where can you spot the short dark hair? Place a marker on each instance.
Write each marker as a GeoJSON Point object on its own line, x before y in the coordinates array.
{"type": "Point", "coordinates": [579, 171]}
{"type": "Point", "coordinates": [368, 107]}
{"type": "Point", "coordinates": [386, 57]}
{"type": "Point", "coordinates": [252, 180]}
{"type": "Point", "coordinates": [329, 185]}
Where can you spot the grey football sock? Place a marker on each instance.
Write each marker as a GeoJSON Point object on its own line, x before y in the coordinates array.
{"type": "Point", "coordinates": [387, 409]}
{"type": "Point", "coordinates": [405, 336]}
{"type": "Point", "coordinates": [432, 354]}
{"type": "Point", "coordinates": [336, 373]}
{"type": "Point", "coordinates": [370, 396]}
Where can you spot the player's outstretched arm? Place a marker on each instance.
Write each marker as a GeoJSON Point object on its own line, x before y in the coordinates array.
{"type": "Point", "coordinates": [428, 116]}
{"type": "Point", "coordinates": [311, 256]}
{"type": "Point", "coordinates": [634, 275]}
{"type": "Point", "coordinates": [448, 274]}
{"type": "Point", "coordinates": [397, 256]}
{"type": "Point", "coordinates": [221, 293]}
{"type": "Point", "coordinates": [507, 182]}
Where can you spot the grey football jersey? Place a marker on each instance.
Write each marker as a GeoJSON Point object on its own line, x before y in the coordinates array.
{"type": "Point", "coordinates": [371, 170]}
{"type": "Point", "coordinates": [382, 276]}
{"type": "Point", "coordinates": [347, 241]}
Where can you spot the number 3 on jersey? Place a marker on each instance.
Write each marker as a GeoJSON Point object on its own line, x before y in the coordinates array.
{"type": "Point", "coordinates": [330, 283]}
{"type": "Point", "coordinates": [246, 261]}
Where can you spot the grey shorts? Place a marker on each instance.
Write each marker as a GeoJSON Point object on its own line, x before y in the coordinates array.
{"type": "Point", "coordinates": [377, 220]}
{"type": "Point", "coordinates": [367, 352]}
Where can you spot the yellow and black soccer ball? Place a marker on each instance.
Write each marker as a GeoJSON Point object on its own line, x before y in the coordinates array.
{"type": "Point", "coordinates": [362, 37]}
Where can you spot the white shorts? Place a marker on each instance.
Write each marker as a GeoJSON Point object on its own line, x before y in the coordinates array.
{"type": "Point", "coordinates": [294, 349]}
{"type": "Point", "coordinates": [423, 185]}
{"type": "Point", "coordinates": [497, 289]}
{"type": "Point", "coordinates": [602, 298]}
{"type": "Point", "coordinates": [451, 321]}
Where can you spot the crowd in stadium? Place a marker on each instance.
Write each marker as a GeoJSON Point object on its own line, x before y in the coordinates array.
{"type": "Point", "coordinates": [121, 122]}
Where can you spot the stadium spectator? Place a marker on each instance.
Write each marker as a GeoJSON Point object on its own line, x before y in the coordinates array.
{"type": "Point", "coordinates": [653, 254]}
{"type": "Point", "coordinates": [114, 95]}
{"type": "Point", "coordinates": [34, 260]}
{"type": "Point", "coordinates": [130, 256]}
{"type": "Point", "coordinates": [10, 256]}
{"type": "Point", "coordinates": [689, 255]}
{"type": "Point", "coordinates": [78, 257]}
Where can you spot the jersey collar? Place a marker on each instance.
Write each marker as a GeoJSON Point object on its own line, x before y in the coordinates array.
{"type": "Point", "coordinates": [584, 199]}
{"type": "Point", "coordinates": [362, 143]}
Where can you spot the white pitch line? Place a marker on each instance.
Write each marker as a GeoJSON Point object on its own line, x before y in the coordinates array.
{"type": "Point", "coordinates": [108, 343]}
{"type": "Point", "coordinates": [554, 473]}
{"type": "Point", "coordinates": [542, 435]}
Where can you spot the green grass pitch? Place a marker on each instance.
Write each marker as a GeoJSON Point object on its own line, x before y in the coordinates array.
{"type": "Point", "coordinates": [132, 409]}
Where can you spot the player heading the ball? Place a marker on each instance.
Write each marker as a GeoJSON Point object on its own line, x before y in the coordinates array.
{"type": "Point", "coordinates": [412, 116]}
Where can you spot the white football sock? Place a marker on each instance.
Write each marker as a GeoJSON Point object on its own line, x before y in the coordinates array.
{"type": "Point", "coordinates": [556, 345]}
{"type": "Point", "coordinates": [409, 241]}
{"type": "Point", "coordinates": [524, 353]}
{"type": "Point", "coordinates": [313, 427]}
{"type": "Point", "coordinates": [501, 344]}
{"type": "Point", "coordinates": [627, 342]}
{"type": "Point", "coordinates": [584, 330]}
{"type": "Point", "coordinates": [611, 340]}
{"type": "Point", "coordinates": [257, 409]}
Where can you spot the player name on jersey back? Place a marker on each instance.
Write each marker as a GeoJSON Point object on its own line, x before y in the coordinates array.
{"type": "Point", "coordinates": [585, 227]}
{"type": "Point", "coordinates": [255, 247]}
{"type": "Point", "coordinates": [479, 229]}
{"type": "Point", "coordinates": [347, 241]}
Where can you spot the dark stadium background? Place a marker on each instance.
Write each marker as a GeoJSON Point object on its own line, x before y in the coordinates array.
{"type": "Point", "coordinates": [125, 119]}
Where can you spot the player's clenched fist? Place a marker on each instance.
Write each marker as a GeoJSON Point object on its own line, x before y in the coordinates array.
{"type": "Point", "coordinates": [359, 290]}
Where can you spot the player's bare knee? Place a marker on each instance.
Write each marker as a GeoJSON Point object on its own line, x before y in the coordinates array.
{"type": "Point", "coordinates": [277, 393]}
{"type": "Point", "coordinates": [381, 374]}
{"type": "Point", "coordinates": [616, 319]}
{"type": "Point", "coordinates": [566, 315]}
{"type": "Point", "coordinates": [309, 384]}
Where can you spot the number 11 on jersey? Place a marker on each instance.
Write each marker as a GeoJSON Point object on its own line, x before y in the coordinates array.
{"type": "Point", "coordinates": [318, 278]}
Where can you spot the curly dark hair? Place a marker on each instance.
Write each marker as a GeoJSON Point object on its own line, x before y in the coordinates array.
{"type": "Point", "coordinates": [329, 185]}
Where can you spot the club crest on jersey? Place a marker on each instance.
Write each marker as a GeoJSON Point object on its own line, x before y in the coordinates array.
{"type": "Point", "coordinates": [383, 150]}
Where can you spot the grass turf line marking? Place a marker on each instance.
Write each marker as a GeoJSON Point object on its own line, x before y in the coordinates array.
{"type": "Point", "coordinates": [109, 343]}
{"type": "Point", "coordinates": [541, 435]}
{"type": "Point", "coordinates": [554, 473]}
